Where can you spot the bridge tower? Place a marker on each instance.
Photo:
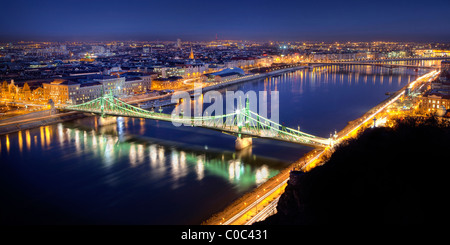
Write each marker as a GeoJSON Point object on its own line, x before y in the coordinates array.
{"type": "Point", "coordinates": [102, 107]}
{"type": "Point", "coordinates": [242, 119]}
{"type": "Point", "coordinates": [105, 119]}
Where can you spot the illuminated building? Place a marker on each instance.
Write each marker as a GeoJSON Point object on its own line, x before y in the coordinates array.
{"type": "Point", "coordinates": [431, 53]}
{"type": "Point", "coordinates": [73, 92]}
{"type": "Point", "coordinates": [192, 70]}
{"type": "Point", "coordinates": [184, 70]}
{"type": "Point", "coordinates": [59, 90]}
{"type": "Point", "coordinates": [162, 84]}
{"type": "Point", "coordinates": [435, 102]}
{"type": "Point", "coordinates": [191, 55]}
{"type": "Point", "coordinates": [170, 71]}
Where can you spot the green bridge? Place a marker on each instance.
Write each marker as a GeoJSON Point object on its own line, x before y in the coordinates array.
{"type": "Point", "coordinates": [242, 123]}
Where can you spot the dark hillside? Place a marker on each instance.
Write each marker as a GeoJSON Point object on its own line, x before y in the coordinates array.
{"type": "Point", "coordinates": [385, 176]}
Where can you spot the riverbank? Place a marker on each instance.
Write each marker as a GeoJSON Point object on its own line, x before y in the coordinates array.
{"type": "Point", "coordinates": [36, 119]}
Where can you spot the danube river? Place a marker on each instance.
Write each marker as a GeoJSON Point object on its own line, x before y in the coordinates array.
{"type": "Point", "coordinates": [140, 171]}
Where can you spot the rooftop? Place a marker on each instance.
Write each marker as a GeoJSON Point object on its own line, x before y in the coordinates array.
{"type": "Point", "coordinates": [90, 84]}
{"type": "Point", "coordinates": [63, 82]}
{"type": "Point", "coordinates": [228, 72]}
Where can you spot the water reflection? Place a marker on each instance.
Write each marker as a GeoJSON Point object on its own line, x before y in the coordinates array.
{"type": "Point", "coordinates": [240, 169]}
{"type": "Point", "coordinates": [19, 136]}
{"type": "Point", "coordinates": [42, 135]}
{"type": "Point", "coordinates": [7, 143]}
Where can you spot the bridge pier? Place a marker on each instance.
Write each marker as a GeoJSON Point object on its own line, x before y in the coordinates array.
{"type": "Point", "coordinates": [243, 142]}
{"type": "Point", "coordinates": [107, 120]}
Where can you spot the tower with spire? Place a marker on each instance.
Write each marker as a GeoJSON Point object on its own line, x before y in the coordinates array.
{"type": "Point", "coordinates": [191, 56]}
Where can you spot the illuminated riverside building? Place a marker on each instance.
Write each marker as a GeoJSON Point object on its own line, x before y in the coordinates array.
{"type": "Point", "coordinates": [14, 93]}
{"type": "Point", "coordinates": [432, 53]}
{"type": "Point", "coordinates": [435, 102]}
{"type": "Point", "coordinates": [191, 71]}
{"type": "Point", "coordinates": [59, 90]}
{"type": "Point", "coordinates": [63, 91]}
{"type": "Point", "coordinates": [437, 99]}
{"type": "Point", "coordinates": [166, 84]}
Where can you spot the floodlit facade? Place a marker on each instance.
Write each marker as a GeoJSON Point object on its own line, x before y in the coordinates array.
{"type": "Point", "coordinates": [71, 92]}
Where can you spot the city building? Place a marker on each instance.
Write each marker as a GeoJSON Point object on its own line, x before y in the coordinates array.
{"type": "Point", "coordinates": [435, 102]}
{"type": "Point", "coordinates": [223, 75]}
{"type": "Point", "coordinates": [432, 53]}
{"type": "Point", "coordinates": [181, 70]}
{"type": "Point", "coordinates": [168, 71]}
{"type": "Point", "coordinates": [70, 92]}
{"type": "Point", "coordinates": [56, 69]}
{"type": "Point", "coordinates": [80, 90]}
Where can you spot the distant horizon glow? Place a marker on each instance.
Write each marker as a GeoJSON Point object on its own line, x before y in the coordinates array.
{"type": "Point", "coordinates": [201, 20]}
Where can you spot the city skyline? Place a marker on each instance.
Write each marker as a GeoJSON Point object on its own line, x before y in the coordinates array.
{"type": "Point", "coordinates": [223, 113]}
{"type": "Point", "coordinates": [204, 20]}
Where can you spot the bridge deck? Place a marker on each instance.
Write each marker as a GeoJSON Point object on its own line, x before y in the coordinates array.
{"type": "Point", "coordinates": [244, 123]}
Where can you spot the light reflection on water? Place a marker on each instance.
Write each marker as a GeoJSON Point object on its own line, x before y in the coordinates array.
{"type": "Point", "coordinates": [109, 149]}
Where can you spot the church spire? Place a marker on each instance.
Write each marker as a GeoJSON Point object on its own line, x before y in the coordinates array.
{"type": "Point", "coordinates": [191, 56]}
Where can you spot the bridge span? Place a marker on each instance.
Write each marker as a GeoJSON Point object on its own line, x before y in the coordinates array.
{"type": "Point", "coordinates": [373, 64]}
{"type": "Point", "coordinates": [242, 123]}
{"type": "Point", "coordinates": [382, 62]}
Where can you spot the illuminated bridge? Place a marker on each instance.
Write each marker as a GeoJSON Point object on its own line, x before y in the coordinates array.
{"type": "Point", "coordinates": [382, 62]}
{"type": "Point", "coordinates": [372, 64]}
{"type": "Point", "coordinates": [242, 123]}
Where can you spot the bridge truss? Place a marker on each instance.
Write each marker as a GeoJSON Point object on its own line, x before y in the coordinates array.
{"type": "Point", "coordinates": [242, 122]}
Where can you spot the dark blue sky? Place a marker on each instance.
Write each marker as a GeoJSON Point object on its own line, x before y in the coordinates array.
{"type": "Point", "coordinates": [325, 20]}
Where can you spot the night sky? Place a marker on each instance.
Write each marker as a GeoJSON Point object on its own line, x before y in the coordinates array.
{"type": "Point", "coordinates": [58, 20]}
